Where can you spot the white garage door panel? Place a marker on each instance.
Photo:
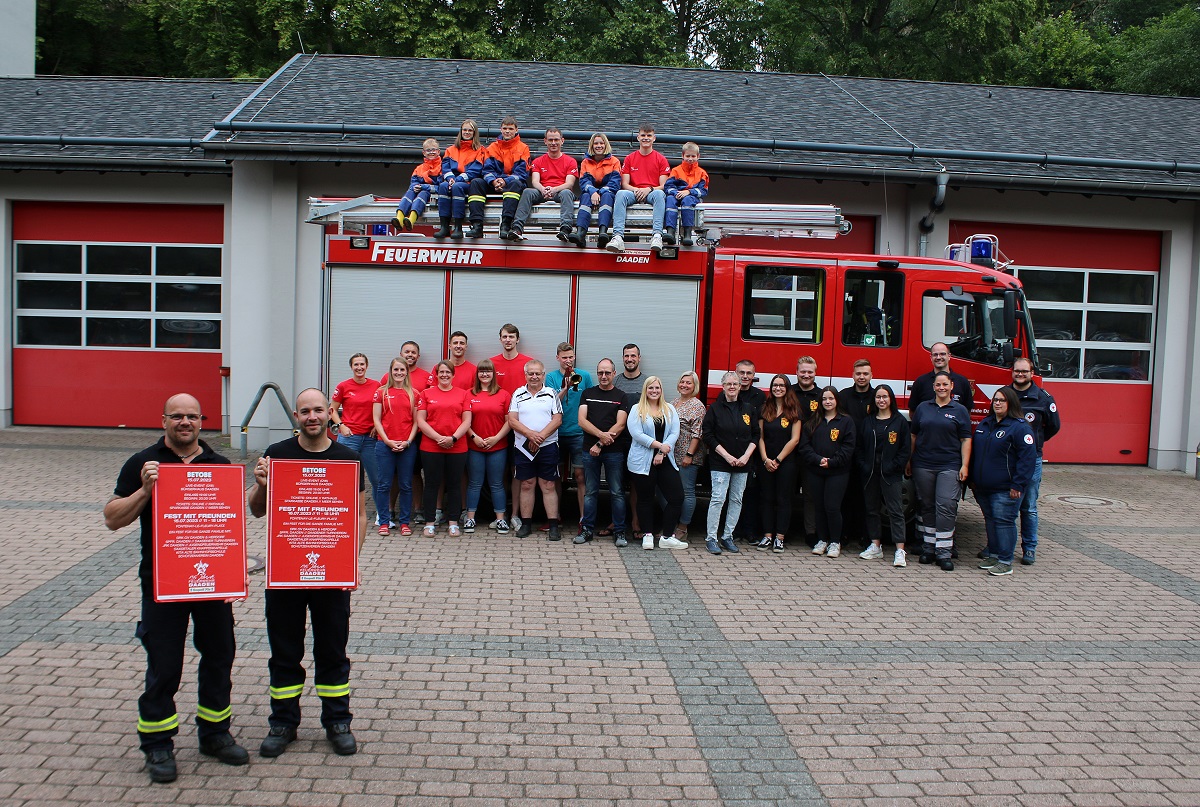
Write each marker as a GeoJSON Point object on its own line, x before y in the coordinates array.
{"type": "Point", "coordinates": [374, 311]}
{"type": "Point", "coordinates": [538, 304]}
{"type": "Point", "coordinates": [659, 315]}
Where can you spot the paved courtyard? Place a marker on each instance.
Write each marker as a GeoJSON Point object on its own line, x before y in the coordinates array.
{"type": "Point", "coordinates": [491, 671]}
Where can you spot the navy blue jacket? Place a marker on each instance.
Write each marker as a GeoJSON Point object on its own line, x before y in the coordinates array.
{"type": "Point", "coordinates": [1002, 455]}
{"type": "Point", "coordinates": [1041, 413]}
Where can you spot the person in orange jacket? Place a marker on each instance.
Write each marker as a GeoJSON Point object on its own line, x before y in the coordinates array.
{"type": "Point", "coordinates": [422, 185]}
{"type": "Point", "coordinates": [686, 185]}
{"type": "Point", "coordinates": [505, 171]}
{"type": "Point", "coordinates": [462, 163]}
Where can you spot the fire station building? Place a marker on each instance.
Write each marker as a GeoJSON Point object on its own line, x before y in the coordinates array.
{"type": "Point", "coordinates": [156, 237]}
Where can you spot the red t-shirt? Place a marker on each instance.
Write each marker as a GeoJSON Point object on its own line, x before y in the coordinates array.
{"type": "Point", "coordinates": [355, 399]}
{"type": "Point", "coordinates": [644, 171]}
{"type": "Point", "coordinates": [551, 172]}
{"type": "Point", "coordinates": [396, 413]}
{"type": "Point", "coordinates": [418, 379]}
{"type": "Point", "coordinates": [464, 376]}
{"type": "Point", "coordinates": [444, 413]}
{"type": "Point", "coordinates": [488, 415]}
{"type": "Point", "coordinates": [510, 373]}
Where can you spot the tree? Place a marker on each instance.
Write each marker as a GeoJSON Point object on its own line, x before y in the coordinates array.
{"type": "Point", "coordinates": [1062, 52]}
{"type": "Point", "coordinates": [1160, 58]}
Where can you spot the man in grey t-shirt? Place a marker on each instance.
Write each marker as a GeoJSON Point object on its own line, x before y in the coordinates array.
{"type": "Point", "coordinates": [630, 382]}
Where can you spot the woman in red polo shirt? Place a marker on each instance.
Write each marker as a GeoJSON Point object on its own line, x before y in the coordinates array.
{"type": "Point", "coordinates": [350, 408]}
{"type": "Point", "coordinates": [444, 417]}
{"type": "Point", "coordinates": [488, 444]}
{"type": "Point", "coordinates": [394, 411]}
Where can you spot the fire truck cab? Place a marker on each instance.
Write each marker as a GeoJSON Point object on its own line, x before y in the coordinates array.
{"type": "Point", "coordinates": [748, 290]}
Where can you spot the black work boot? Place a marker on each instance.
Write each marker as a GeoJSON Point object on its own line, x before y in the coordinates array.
{"type": "Point", "coordinates": [475, 230]}
{"type": "Point", "coordinates": [579, 237]}
{"type": "Point", "coordinates": [505, 228]}
{"type": "Point", "coordinates": [687, 237]}
{"type": "Point", "coordinates": [669, 236]}
{"type": "Point", "coordinates": [444, 230]}
{"type": "Point", "coordinates": [456, 229]}
{"type": "Point", "coordinates": [603, 237]}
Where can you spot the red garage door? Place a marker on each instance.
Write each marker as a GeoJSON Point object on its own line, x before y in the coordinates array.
{"type": "Point", "coordinates": [116, 307]}
{"type": "Point", "coordinates": [1093, 297]}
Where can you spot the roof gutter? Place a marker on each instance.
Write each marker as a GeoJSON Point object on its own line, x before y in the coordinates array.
{"type": "Point", "coordinates": [904, 152]}
{"type": "Point", "coordinates": [64, 141]}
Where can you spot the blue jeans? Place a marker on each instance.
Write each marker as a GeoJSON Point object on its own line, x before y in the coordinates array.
{"type": "Point", "coordinates": [613, 463]}
{"type": "Point", "coordinates": [1029, 518]}
{"type": "Point", "coordinates": [489, 464]}
{"type": "Point", "coordinates": [687, 476]}
{"type": "Point", "coordinates": [626, 198]}
{"type": "Point", "coordinates": [731, 485]}
{"type": "Point", "coordinates": [364, 444]}
{"type": "Point", "coordinates": [1000, 520]}
{"type": "Point", "coordinates": [399, 464]}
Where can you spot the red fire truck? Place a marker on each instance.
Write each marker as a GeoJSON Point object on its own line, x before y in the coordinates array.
{"type": "Point", "coordinates": [752, 288]}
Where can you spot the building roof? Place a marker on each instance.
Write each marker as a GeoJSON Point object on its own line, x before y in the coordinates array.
{"type": "Point", "coordinates": [976, 128]}
{"type": "Point", "coordinates": [119, 123]}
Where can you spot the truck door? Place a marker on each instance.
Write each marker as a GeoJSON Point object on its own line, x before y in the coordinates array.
{"type": "Point", "coordinates": [869, 324]}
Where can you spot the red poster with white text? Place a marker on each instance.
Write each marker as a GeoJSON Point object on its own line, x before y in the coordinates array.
{"type": "Point", "coordinates": [312, 524]}
{"type": "Point", "coordinates": [199, 532]}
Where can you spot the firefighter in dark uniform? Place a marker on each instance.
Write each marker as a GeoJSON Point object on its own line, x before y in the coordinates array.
{"type": "Point", "coordinates": [163, 626]}
{"type": "Point", "coordinates": [329, 608]}
{"type": "Point", "coordinates": [1041, 412]}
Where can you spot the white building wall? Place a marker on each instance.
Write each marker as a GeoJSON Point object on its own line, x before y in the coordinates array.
{"type": "Point", "coordinates": [78, 186]}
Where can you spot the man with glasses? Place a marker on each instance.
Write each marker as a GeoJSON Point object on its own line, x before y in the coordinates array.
{"type": "Point", "coordinates": [922, 388]}
{"type": "Point", "coordinates": [1041, 412]}
{"type": "Point", "coordinates": [163, 626]}
{"type": "Point", "coordinates": [603, 411]}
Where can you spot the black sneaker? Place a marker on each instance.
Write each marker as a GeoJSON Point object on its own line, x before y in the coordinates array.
{"type": "Point", "coordinates": [584, 535]}
{"type": "Point", "coordinates": [277, 741]}
{"type": "Point", "coordinates": [501, 526]}
{"type": "Point", "coordinates": [526, 529]}
{"type": "Point", "coordinates": [1028, 558]}
{"type": "Point", "coordinates": [764, 543]}
{"type": "Point", "coordinates": [927, 558]}
{"type": "Point", "coordinates": [620, 540]}
{"type": "Point", "coordinates": [777, 545]}
{"type": "Point", "coordinates": [160, 764]}
{"type": "Point", "coordinates": [555, 531]}
{"type": "Point", "coordinates": [224, 748]}
{"type": "Point", "coordinates": [418, 517]}
{"type": "Point", "coordinates": [564, 233]}
{"type": "Point", "coordinates": [341, 739]}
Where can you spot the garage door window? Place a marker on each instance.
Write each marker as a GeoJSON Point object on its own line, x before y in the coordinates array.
{"type": "Point", "coordinates": [1092, 323]}
{"type": "Point", "coordinates": [118, 295]}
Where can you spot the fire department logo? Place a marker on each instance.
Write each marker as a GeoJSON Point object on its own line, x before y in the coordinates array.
{"type": "Point", "coordinates": [313, 571]}
{"type": "Point", "coordinates": [201, 582]}
{"type": "Point", "coordinates": [892, 437]}
{"type": "Point", "coordinates": [812, 406]}
{"type": "Point", "coordinates": [834, 434]}
{"type": "Point", "coordinates": [783, 422]}
{"type": "Point", "coordinates": [746, 419]}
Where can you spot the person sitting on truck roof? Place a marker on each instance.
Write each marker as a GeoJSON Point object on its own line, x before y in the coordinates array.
{"type": "Point", "coordinates": [462, 163]}
{"type": "Point", "coordinates": [643, 176]}
{"type": "Point", "coordinates": [505, 171]}
{"type": "Point", "coordinates": [552, 176]}
{"type": "Point", "coordinates": [599, 181]}
{"type": "Point", "coordinates": [422, 185]}
{"type": "Point", "coordinates": [686, 185]}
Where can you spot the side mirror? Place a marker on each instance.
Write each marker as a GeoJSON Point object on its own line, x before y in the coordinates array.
{"type": "Point", "coordinates": [1010, 314]}
{"type": "Point", "coordinates": [1009, 354]}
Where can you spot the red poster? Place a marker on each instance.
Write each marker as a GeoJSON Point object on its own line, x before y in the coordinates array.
{"type": "Point", "coordinates": [312, 524]}
{"type": "Point", "coordinates": [199, 532]}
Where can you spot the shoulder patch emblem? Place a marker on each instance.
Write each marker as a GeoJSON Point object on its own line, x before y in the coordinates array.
{"type": "Point", "coordinates": [893, 437]}
{"type": "Point", "coordinates": [1053, 407]}
{"type": "Point", "coordinates": [784, 422]}
{"type": "Point", "coordinates": [834, 434]}
{"type": "Point", "coordinates": [746, 419]}
{"type": "Point", "coordinates": [1029, 439]}
{"type": "Point", "coordinates": [812, 406]}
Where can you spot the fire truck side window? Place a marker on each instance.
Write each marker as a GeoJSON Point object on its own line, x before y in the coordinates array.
{"type": "Point", "coordinates": [971, 325]}
{"type": "Point", "coordinates": [873, 309]}
{"type": "Point", "coordinates": [784, 302]}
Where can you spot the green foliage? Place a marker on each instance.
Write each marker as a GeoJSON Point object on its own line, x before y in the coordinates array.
{"type": "Point", "coordinates": [1133, 45]}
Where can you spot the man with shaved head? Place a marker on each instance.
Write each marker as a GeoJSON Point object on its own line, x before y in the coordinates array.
{"type": "Point", "coordinates": [289, 609]}
{"type": "Point", "coordinates": [163, 625]}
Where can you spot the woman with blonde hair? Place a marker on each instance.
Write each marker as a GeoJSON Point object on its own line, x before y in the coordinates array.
{"type": "Point", "coordinates": [599, 181]}
{"type": "Point", "coordinates": [689, 449]}
{"type": "Point", "coordinates": [394, 412]}
{"type": "Point", "coordinates": [654, 429]}
{"type": "Point", "coordinates": [462, 163]}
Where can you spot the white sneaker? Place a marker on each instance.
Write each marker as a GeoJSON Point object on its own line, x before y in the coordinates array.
{"type": "Point", "coordinates": [871, 552]}
{"type": "Point", "coordinates": [647, 541]}
{"type": "Point", "coordinates": [617, 244]}
{"type": "Point", "coordinates": [834, 551]}
{"type": "Point", "coordinates": [656, 242]}
{"type": "Point", "coordinates": [671, 542]}
{"type": "Point", "coordinates": [900, 559]}
{"type": "Point", "coordinates": [516, 522]}
{"type": "Point", "coordinates": [819, 549]}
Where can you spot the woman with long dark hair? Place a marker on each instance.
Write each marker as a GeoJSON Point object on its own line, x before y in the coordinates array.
{"type": "Point", "coordinates": [487, 444]}
{"type": "Point", "coordinates": [1003, 456]}
{"type": "Point", "coordinates": [779, 428]}
{"type": "Point", "coordinates": [884, 446]}
{"type": "Point", "coordinates": [827, 447]}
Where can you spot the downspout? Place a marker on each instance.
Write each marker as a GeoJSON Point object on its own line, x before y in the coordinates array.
{"type": "Point", "coordinates": [936, 205]}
